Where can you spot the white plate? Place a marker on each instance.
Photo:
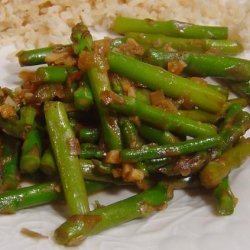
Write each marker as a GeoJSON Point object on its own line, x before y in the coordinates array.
{"type": "Point", "coordinates": [188, 223]}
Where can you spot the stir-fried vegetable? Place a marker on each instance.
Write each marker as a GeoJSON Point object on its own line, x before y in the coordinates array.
{"type": "Point", "coordinates": [126, 111]}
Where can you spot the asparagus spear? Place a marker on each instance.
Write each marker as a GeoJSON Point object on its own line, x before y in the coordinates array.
{"type": "Point", "coordinates": [77, 228]}
{"type": "Point", "coordinates": [235, 128]}
{"type": "Point", "coordinates": [34, 56]}
{"type": "Point", "coordinates": [65, 147]}
{"type": "Point", "coordinates": [48, 163]}
{"type": "Point", "coordinates": [38, 56]}
{"type": "Point", "coordinates": [9, 162]}
{"type": "Point", "coordinates": [203, 64]}
{"type": "Point", "coordinates": [199, 115]}
{"type": "Point", "coordinates": [232, 112]}
{"type": "Point", "coordinates": [39, 194]}
{"type": "Point", "coordinates": [144, 96]}
{"type": "Point", "coordinates": [28, 115]}
{"type": "Point", "coordinates": [173, 149]}
{"type": "Point", "coordinates": [109, 122]}
{"type": "Point", "coordinates": [166, 120]}
{"type": "Point", "coordinates": [54, 74]}
{"type": "Point", "coordinates": [132, 141]}
{"type": "Point", "coordinates": [224, 198]}
{"type": "Point", "coordinates": [158, 41]}
{"type": "Point", "coordinates": [83, 98]}
{"type": "Point", "coordinates": [32, 145]}
{"type": "Point", "coordinates": [31, 152]}
{"type": "Point", "coordinates": [159, 165]}
{"type": "Point", "coordinates": [26, 197]}
{"type": "Point", "coordinates": [170, 28]}
{"type": "Point", "coordinates": [81, 38]}
{"type": "Point", "coordinates": [214, 172]}
{"type": "Point", "coordinates": [172, 85]}
{"type": "Point", "coordinates": [90, 151]}
{"type": "Point", "coordinates": [90, 135]}
{"type": "Point", "coordinates": [236, 123]}
{"type": "Point", "coordinates": [129, 133]}
{"type": "Point", "coordinates": [156, 135]}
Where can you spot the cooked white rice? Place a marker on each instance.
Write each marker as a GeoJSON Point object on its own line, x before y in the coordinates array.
{"type": "Point", "coordinates": [36, 23]}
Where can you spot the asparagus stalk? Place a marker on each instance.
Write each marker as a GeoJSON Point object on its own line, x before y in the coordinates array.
{"type": "Point", "coordinates": [166, 120]}
{"type": "Point", "coordinates": [226, 67]}
{"type": "Point", "coordinates": [9, 162]}
{"type": "Point", "coordinates": [236, 123]}
{"type": "Point", "coordinates": [98, 76]}
{"type": "Point", "coordinates": [38, 56]}
{"type": "Point", "coordinates": [172, 85]}
{"type": "Point", "coordinates": [83, 98]}
{"type": "Point", "coordinates": [28, 115]}
{"type": "Point", "coordinates": [31, 152]}
{"type": "Point", "coordinates": [48, 163]}
{"type": "Point", "coordinates": [32, 145]}
{"type": "Point", "coordinates": [34, 56]}
{"type": "Point", "coordinates": [173, 149]}
{"type": "Point", "coordinates": [232, 112]}
{"type": "Point", "coordinates": [159, 165]}
{"type": "Point", "coordinates": [90, 151]}
{"type": "Point", "coordinates": [156, 135]}
{"type": "Point", "coordinates": [89, 135]}
{"type": "Point", "coordinates": [199, 115]}
{"type": "Point", "coordinates": [132, 141]}
{"type": "Point", "coordinates": [170, 28]}
{"type": "Point", "coordinates": [64, 146]}
{"type": "Point", "coordinates": [236, 127]}
{"type": "Point", "coordinates": [77, 228]}
{"type": "Point", "coordinates": [129, 133]}
{"type": "Point", "coordinates": [158, 41]}
{"type": "Point", "coordinates": [26, 197]}
{"type": "Point", "coordinates": [109, 122]}
{"type": "Point", "coordinates": [53, 74]}
{"type": "Point", "coordinates": [39, 194]}
{"type": "Point", "coordinates": [214, 172]}
{"type": "Point", "coordinates": [224, 198]}
{"type": "Point", "coordinates": [81, 38]}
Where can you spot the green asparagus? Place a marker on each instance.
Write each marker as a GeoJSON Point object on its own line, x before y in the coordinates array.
{"type": "Point", "coordinates": [64, 146]}
{"type": "Point", "coordinates": [169, 28]}
{"type": "Point", "coordinates": [172, 85]}
{"type": "Point", "coordinates": [77, 228]}
{"type": "Point", "coordinates": [158, 41]}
